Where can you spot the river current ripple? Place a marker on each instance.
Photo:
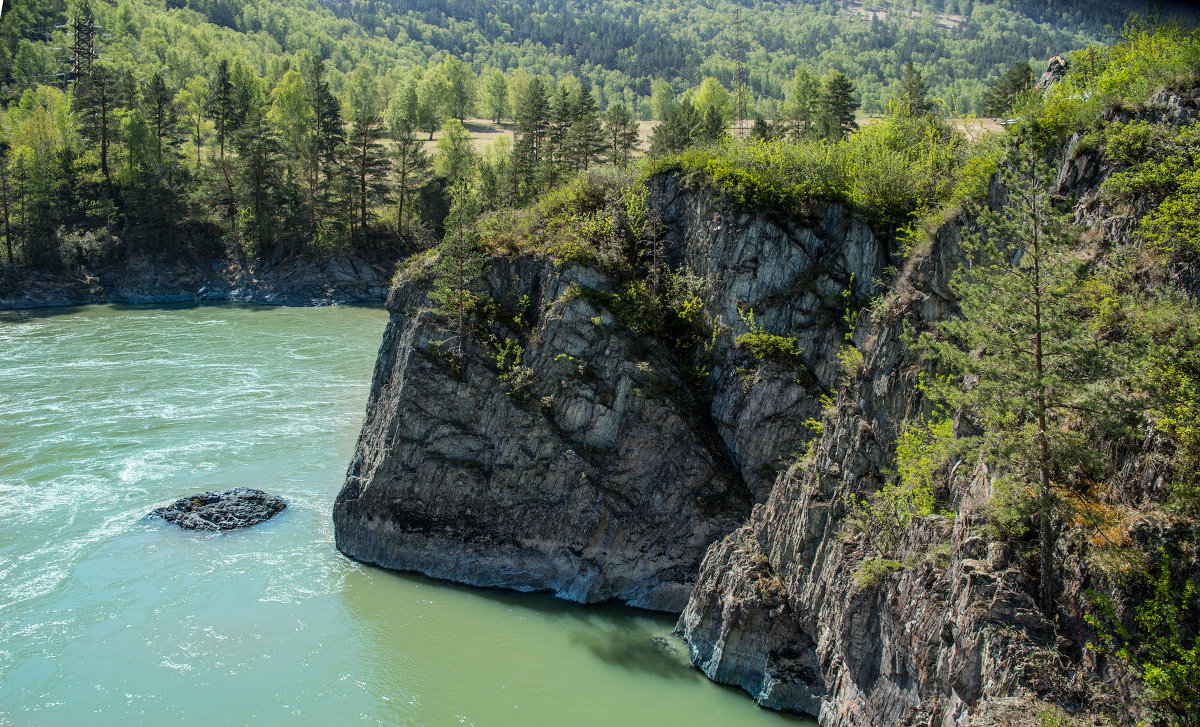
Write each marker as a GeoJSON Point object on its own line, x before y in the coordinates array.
{"type": "Point", "coordinates": [110, 618]}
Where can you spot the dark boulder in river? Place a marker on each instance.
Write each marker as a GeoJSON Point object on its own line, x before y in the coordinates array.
{"type": "Point", "coordinates": [240, 507]}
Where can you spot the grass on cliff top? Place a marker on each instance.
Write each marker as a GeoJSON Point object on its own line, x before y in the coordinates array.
{"type": "Point", "coordinates": [890, 172]}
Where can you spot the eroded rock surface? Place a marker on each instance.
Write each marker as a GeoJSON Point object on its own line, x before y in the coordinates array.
{"type": "Point", "coordinates": [602, 466]}
{"type": "Point", "coordinates": [240, 507]}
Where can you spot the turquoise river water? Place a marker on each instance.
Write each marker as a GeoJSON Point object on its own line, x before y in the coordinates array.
{"type": "Point", "coordinates": [110, 618]}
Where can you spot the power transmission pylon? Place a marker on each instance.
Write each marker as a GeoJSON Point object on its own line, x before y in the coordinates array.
{"type": "Point", "coordinates": [82, 31]}
{"type": "Point", "coordinates": [739, 76]}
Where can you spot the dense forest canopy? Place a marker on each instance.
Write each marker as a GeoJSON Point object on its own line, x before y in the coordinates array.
{"type": "Point", "coordinates": [619, 48]}
{"type": "Point", "coordinates": [214, 127]}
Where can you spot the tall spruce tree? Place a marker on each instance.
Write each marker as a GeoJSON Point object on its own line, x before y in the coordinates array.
{"type": "Point", "coordinates": [160, 110]}
{"type": "Point", "coordinates": [410, 161]}
{"type": "Point", "coordinates": [912, 94]}
{"type": "Point", "coordinates": [533, 120]}
{"type": "Point", "coordinates": [96, 102]}
{"type": "Point", "coordinates": [838, 104]}
{"type": "Point", "coordinates": [222, 103]}
{"type": "Point", "coordinates": [585, 138]}
{"type": "Point", "coordinates": [258, 159]}
{"type": "Point", "coordinates": [1016, 80]}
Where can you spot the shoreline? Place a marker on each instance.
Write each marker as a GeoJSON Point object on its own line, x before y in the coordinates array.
{"type": "Point", "coordinates": [292, 282]}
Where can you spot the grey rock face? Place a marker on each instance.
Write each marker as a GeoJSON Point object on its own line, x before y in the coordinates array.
{"type": "Point", "coordinates": [240, 507]}
{"type": "Point", "coordinates": [954, 638]}
{"type": "Point", "coordinates": [1056, 69]}
{"type": "Point", "coordinates": [612, 467]}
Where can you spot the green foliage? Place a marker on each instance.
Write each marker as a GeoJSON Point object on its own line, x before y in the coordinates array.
{"type": "Point", "coordinates": [883, 516]}
{"type": "Point", "coordinates": [871, 572]}
{"type": "Point", "coordinates": [889, 170]}
{"type": "Point", "coordinates": [1163, 645]}
{"type": "Point", "coordinates": [764, 345]}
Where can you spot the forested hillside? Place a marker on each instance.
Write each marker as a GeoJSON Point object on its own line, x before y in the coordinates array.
{"type": "Point", "coordinates": [210, 127]}
{"type": "Point", "coordinates": [620, 48]}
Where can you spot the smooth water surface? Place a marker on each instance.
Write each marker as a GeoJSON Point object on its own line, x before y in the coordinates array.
{"type": "Point", "coordinates": [110, 618]}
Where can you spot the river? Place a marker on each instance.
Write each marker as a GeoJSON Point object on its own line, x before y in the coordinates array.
{"type": "Point", "coordinates": [110, 618]}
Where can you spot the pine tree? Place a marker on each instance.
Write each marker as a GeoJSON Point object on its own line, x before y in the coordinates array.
{"type": "Point", "coordinates": [97, 109]}
{"type": "Point", "coordinates": [410, 161]}
{"type": "Point", "coordinates": [1016, 80]}
{"type": "Point", "coordinates": [803, 103]}
{"type": "Point", "coordinates": [222, 101]}
{"type": "Point", "coordinates": [836, 116]}
{"type": "Point", "coordinates": [712, 129]}
{"type": "Point", "coordinates": [258, 161]}
{"type": "Point", "coordinates": [562, 112]}
{"type": "Point", "coordinates": [368, 165]}
{"type": "Point", "coordinates": [1034, 365]}
{"type": "Point", "coordinates": [460, 263]}
{"type": "Point", "coordinates": [160, 107]}
{"type": "Point", "coordinates": [676, 132]}
{"type": "Point", "coordinates": [621, 135]}
{"type": "Point", "coordinates": [912, 95]}
{"type": "Point", "coordinates": [585, 138]}
{"type": "Point", "coordinates": [328, 138]}
{"type": "Point", "coordinates": [533, 119]}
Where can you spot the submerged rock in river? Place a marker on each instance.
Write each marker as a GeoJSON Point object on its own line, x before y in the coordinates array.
{"type": "Point", "coordinates": [240, 507]}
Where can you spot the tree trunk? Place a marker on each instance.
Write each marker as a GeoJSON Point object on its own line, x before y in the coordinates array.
{"type": "Point", "coordinates": [7, 227]}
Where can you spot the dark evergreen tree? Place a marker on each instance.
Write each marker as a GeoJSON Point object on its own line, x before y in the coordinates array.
{"type": "Point", "coordinates": [222, 103]}
{"type": "Point", "coordinates": [368, 165]}
{"type": "Point", "coordinates": [838, 104]}
{"type": "Point", "coordinates": [712, 128]}
{"type": "Point", "coordinates": [410, 167]}
{"type": "Point", "coordinates": [677, 131]}
{"type": "Point", "coordinates": [160, 110]}
{"type": "Point", "coordinates": [912, 95]}
{"type": "Point", "coordinates": [533, 119]}
{"type": "Point", "coordinates": [96, 105]}
{"type": "Point", "coordinates": [621, 135]}
{"type": "Point", "coordinates": [999, 100]}
{"type": "Point", "coordinates": [585, 138]}
{"type": "Point", "coordinates": [258, 152]}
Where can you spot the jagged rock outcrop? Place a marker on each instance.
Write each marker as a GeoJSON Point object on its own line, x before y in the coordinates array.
{"type": "Point", "coordinates": [955, 637]}
{"type": "Point", "coordinates": [600, 468]}
{"type": "Point", "coordinates": [291, 282]}
{"type": "Point", "coordinates": [240, 507]}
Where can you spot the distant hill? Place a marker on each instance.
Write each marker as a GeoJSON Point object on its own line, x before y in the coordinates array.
{"type": "Point", "coordinates": [620, 47]}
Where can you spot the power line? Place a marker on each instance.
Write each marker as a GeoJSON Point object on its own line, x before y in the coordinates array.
{"type": "Point", "coordinates": [739, 77]}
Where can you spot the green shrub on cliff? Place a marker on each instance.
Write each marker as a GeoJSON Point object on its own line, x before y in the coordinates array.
{"type": "Point", "coordinates": [1161, 646]}
{"type": "Point", "coordinates": [888, 170]}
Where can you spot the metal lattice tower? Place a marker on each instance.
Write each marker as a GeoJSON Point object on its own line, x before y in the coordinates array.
{"type": "Point", "coordinates": [739, 77]}
{"type": "Point", "coordinates": [83, 45]}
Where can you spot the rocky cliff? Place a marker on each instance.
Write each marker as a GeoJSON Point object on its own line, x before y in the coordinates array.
{"type": "Point", "coordinates": [955, 637]}
{"type": "Point", "coordinates": [602, 466]}
{"type": "Point", "coordinates": [603, 463]}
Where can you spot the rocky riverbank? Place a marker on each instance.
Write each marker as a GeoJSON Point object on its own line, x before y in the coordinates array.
{"type": "Point", "coordinates": [291, 282]}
